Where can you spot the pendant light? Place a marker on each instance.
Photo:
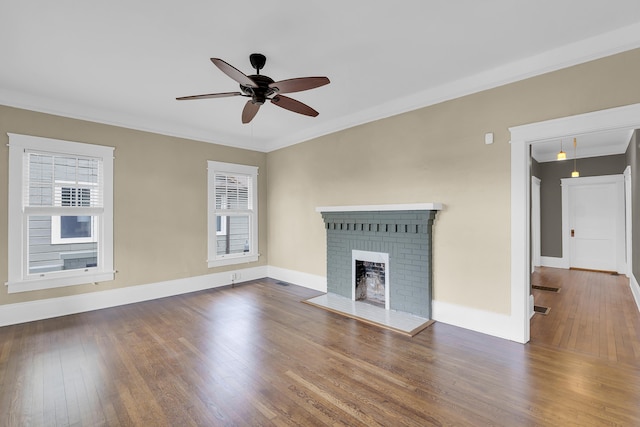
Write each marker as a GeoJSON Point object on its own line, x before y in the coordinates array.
{"type": "Point", "coordinates": [561, 155]}
{"type": "Point", "coordinates": [575, 173]}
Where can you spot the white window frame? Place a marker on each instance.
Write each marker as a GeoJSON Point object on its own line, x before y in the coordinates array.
{"type": "Point", "coordinates": [213, 259]}
{"type": "Point", "coordinates": [20, 280]}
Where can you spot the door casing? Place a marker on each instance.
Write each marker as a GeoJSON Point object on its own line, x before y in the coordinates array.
{"type": "Point", "coordinates": [625, 117]}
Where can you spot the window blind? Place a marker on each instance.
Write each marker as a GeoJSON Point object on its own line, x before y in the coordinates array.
{"type": "Point", "coordinates": [53, 180]}
{"type": "Point", "coordinates": [232, 192]}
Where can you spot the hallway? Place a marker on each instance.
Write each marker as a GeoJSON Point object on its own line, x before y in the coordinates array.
{"type": "Point", "coordinates": [594, 313]}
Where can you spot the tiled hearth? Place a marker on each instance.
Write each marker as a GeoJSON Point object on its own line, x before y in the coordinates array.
{"type": "Point", "coordinates": [390, 319]}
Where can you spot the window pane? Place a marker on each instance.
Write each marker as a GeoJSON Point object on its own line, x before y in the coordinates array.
{"type": "Point", "coordinates": [59, 180]}
{"type": "Point", "coordinates": [40, 180]}
{"type": "Point", "coordinates": [75, 226]}
{"type": "Point", "coordinates": [65, 169]}
{"type": "Point", "coordinates": [235, 239]}
{"type": "Point", "coordinates": [88, 170]}
{"type": "Point", "coordinates": [76, 252]}
{"type": "Point", "coordinates": [232, 191]}
{"type": "Point", "coordinates": [237, 193]}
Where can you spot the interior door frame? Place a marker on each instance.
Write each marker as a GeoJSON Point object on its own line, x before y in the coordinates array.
{"type": "Point", "coordinates": [628, 194]}
{"type": "Point", "coordinates": [535, 223]}
{"type": "Point", "coordinates": [567, 185]}
{"type": "Point", "coordinates": [522, 137]}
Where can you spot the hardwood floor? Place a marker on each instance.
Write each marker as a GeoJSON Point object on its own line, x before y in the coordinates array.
{"type": "Point", "coordinates": [594, 313]}
{"type": "Point", "coordinates": [255, 355]}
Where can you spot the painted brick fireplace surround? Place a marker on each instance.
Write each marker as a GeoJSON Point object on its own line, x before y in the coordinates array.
{"type": "Point", "coordinates": [404, 232]}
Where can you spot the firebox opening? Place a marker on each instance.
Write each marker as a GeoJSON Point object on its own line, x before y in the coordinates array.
{"type": "Point", "coordinates": [370, 282]}
{"type": "Point", "coordinates": [370, 276]}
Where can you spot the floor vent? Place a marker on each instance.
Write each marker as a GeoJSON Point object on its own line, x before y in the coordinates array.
{"type": "Point", "coordinates": [282, 283]}
{"type": "Point", "coordinates": [541, 310]}
{"type": "Point", "coordinates": [545, 288]}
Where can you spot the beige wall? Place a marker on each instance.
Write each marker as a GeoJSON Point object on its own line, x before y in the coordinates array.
{"type": "Point", "coordinates": [160, 197]}
{"type": "Point", "coordinates": [436, 154]}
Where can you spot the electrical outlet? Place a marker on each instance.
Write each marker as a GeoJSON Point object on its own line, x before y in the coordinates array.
{"type": "Point", "coordinates": [234, 276]}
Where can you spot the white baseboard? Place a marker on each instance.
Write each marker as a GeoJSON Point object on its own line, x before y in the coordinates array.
{"type": "Point", "coordinates": [486, 322]}
{"type": "Point", "coordinates": [306, 280]}
{"type": "Point", "coordinates": [635, 289]}
{"type": "Point", "coordinates": [11, 314]}
{"type": "Point", "coordinates": [498, 325]}
{"type": "Point", "coordinates": [549, 261]}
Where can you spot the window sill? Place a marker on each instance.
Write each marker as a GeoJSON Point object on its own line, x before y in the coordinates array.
{"type": "Point", "coordinates": [240, 259]}
{"type": "Point", "coordinates": [58, 282]}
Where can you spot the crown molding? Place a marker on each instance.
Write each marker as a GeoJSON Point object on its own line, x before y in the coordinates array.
{"type": "Point", "coordinates": [125, 120]}
{"type": "Point", "coordinates": [603, 45]}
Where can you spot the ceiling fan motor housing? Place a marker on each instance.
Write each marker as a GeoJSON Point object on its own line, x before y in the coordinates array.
{"type": "Point", "coordinates": [261, 93]}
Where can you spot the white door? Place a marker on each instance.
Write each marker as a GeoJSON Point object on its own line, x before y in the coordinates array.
{"type": "Point", "coordinates": [594, 232]}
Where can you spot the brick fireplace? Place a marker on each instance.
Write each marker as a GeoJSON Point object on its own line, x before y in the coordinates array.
{"type": "Point", "coordinates": [386, 249]}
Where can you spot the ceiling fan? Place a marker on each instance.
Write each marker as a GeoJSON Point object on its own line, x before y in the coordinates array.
{"type": "Point", "coordinates": [261, 88]}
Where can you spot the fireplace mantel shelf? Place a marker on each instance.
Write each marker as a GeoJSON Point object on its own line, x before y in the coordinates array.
{"type": "Point", "coordinates": [378, 208]}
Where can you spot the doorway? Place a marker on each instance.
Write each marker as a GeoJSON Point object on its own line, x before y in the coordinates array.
{"type": "Point", "coordinates": [522, 137]}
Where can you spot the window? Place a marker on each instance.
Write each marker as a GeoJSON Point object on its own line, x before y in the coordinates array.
{"type": "Point", "coordinates": [233, 213]}
{"type": "Point", "coordinates": [60, 213]}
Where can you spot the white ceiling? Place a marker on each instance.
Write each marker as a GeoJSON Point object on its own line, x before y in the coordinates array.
{"type": "Point", "coordinates": [590, 145]}
{"type": "Point", "coordinates": [124, 62]}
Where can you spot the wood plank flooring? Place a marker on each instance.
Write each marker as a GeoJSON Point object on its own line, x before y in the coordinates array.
{"type": "Point", "coordinates": [594, 313]}
{"type": "Point", "coordinates": [254, 355]}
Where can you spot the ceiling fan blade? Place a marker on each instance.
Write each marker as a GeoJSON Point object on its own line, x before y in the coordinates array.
{"type": "Point", "coordinates": [210, 95]}
{"type": "Point", "coordinates": [233, 72]}
{"type": "Point", "coordinates": [293, 105]}
{"type": "Point", "coordinates": [249, 112]}
{"type": "Point", "coordinates": [299, 84]}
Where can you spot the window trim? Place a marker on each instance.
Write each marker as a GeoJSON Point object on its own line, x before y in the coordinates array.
{"type": "Point", "coordinates": [18, 278]}
{"type": "Point", "coordinates": [213, 259]}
